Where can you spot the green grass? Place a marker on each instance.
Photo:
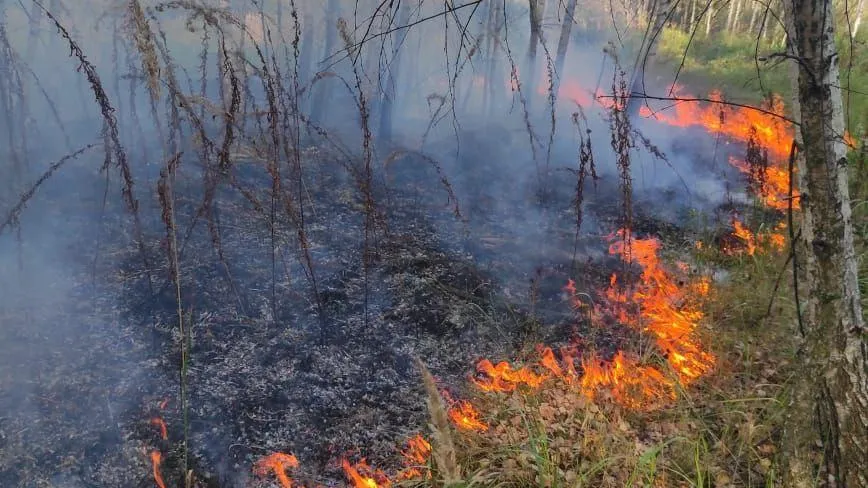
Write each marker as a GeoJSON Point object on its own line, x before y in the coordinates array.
{"type": "Point", "coordinates": [730, 64]}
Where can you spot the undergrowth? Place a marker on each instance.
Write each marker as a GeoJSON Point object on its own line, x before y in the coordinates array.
{"type": "Point", "coordinates": [722, 433]}
{"type": "Point", "coordinates": [750, 70]}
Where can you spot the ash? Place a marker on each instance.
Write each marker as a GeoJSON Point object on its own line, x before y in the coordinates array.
{"type": "Point", "coordinates": [310, 357]}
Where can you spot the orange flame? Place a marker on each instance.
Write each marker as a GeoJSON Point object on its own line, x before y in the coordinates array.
{"type": "Point", "coordinates": [773, 239]}
{"type": "Point", "coordinates": [156, 459]}
{"type": "Point", "coordinates": [363, 476]}
{"type": "Point", "coordinates": [663, 309]}
{"type": "Point", "coordinates": [277, 463]}
{"type": "Point", "coordinates": [466, 417]}
{"type": "Point", "coordinates": [743, 233]}
{"type": "Point", "coordinates": [570, 288]}
{"type": "Point", "coordinates": [765, 124]}
{"type": "Point", "coordinates": [849, 140]}
{"type": "Point", "coordinates": [160, 424]}
{"type": "Point", "coordinates": [415, 458]}
{"type": "Point", "coordinates": [632, 385]}
{"type": "Point", "coordinates": [657, 305]}
{"type": "Point", "coordinates": [503, 378]}
{"type": "Point", "coordinates": [463, 414]}
{"type": "Point", "coordinates": [775, 187]}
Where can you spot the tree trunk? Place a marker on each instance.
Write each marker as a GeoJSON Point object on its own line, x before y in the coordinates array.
{"type": "Point", "coordinates": [709, 16]}
{"type": "Point", "coordinates": [659, 15]}
{"type": "Point", "coordinates": [860, 9]}
{"type": "Point", "coordinates": [753, 13]}
{"type": "Point", "coordinates": [321, 89]}
{"type": "Point", "coordinates": [764, 27]}
{"type": "Point", "coordinates": [535, 17]}
{"type": "Point", "coordinates": [736, 21]}
{"type": "Point", "coordinates": [692, 24]}
{"type": "Point", "coordinates": [832, 394]}
{"type": "Point", "coordinates": [494, 90]}
{"type": "Point", "coordinates": [389, 90]}
{"type": "Point", "coordinates": [564, 41]}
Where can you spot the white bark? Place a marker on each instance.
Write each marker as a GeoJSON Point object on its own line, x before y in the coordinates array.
{"type": "Point", "coordinates": [709, 16]}
{"type": "Point", "coordinates": [860, 9]}
{"type": "Point", "coordinates": [834, 361]}
{"type": "Point", "coordinates": [737, 19]}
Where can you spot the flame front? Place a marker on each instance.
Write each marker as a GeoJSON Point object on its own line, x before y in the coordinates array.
{"type": "Point", "coordinates": [665, 311]}
{"type": "Point", "coordinates": [656, 305]}
{"type": "Point", "coordinates": [363, 476]}
{"type": "Point", "coordinates": [463, 414]}
{"type": "Point", "coordinates": [766, 125]}
{"type": "Point", "coordinates": [156, 459]}
{"type": "Point", "coordinates": [503, 378]}
{"type": "Point", "coordinates": [277, 463]}
{"type": "Point", "coordinates": [415, 456]}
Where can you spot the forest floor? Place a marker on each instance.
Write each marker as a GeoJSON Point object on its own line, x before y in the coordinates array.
{"type": "Point", "coordinates": [320, 380]}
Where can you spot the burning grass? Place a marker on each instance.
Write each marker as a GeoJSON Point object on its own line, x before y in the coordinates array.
{"type": "Point", "coordinates": [578, 415]}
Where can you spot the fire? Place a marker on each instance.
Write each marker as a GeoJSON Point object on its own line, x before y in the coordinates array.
{"type": "Point", "coordinates": [160, 424]}
{"type": "Point", "coordinates": [363, 476]}
{"type": "Point", "coordinates": [156, 459]}
{"type": "Point", "coordinates": [277, 463]}
{"type": "Point", "coordinates": [703, 286]}
{"type": "Point", "coordinates": [664, 311]}
{"type": "Point", "coordinates": [766, 125]}
{"type": "Point", "coordinates": [503, 378]}
{"type": "Point", "coordinates": [657, 305]}
{"type": "Point", "coordinates": [570, 288]}
{"type": "Point", "coordinates": [774, 187]}
{"type": "Point", "coordinates": [743, 233]}
{"type": "Point", "coordinates": [849, 140]}
{"type": "Point", "coordinates": [463, 414]}
{"type": "Point", "coordinates": [567, 373]}
{"type": "Point", "coordinates": [755, 242]}
{"type": "Point", "coordinates": [568, 90]}
{"type": "Point", "coordinates": [631, 384]}
{"type": "Point", "coordinates": [415, 457]}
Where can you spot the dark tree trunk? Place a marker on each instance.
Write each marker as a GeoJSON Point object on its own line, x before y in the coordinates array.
{"type": "Point", "coordinates": [392, 78]}
{"type": "Point", "coordinates": [321, 88]}
{"type": "Point", "coordinates": [529, 77]}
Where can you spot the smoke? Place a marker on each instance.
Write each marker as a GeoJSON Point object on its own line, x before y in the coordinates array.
{"type": "Point", "coordinates": [458, 145]}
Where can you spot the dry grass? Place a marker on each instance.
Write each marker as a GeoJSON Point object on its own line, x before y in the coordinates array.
{"type": "Point", "coordinates": [724, 432]}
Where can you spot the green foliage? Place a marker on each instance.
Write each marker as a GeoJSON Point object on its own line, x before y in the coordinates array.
{"type": "Point", "coordinates": [747, 72]}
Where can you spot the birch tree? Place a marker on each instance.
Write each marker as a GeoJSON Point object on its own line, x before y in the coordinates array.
{"type": "Point", "coordinates": [564, 40]}
{"type": "Point", "coordinates": [660, 11]}
{"type": "Point", "coordinates": [860, 10]}
{"type": "Point", "coordinates": [831, 393]}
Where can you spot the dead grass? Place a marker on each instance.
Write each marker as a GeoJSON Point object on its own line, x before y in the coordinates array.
{"type": "Point", "coordinates": [724, 432]}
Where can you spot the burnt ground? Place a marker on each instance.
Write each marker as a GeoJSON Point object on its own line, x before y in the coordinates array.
{"type": "Point", "coordinates": [278, 363]}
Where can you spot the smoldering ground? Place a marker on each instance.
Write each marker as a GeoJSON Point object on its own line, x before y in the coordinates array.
{"type": "Point", "coordinates": [316, 264]}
